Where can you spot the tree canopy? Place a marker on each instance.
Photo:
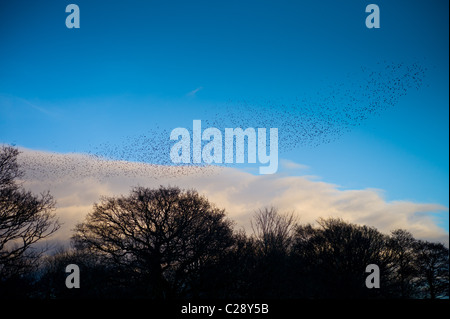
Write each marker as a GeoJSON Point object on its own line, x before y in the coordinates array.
{"type": "Point", "coordinates": [161, 235]}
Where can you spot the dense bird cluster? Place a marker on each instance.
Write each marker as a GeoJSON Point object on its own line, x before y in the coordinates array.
{"type": "Point", "coordinates": [46, 167]}
{"type": "Point", "coordinates": [325, 116]}
{"type": "Point", "coordinates": [306, 122]}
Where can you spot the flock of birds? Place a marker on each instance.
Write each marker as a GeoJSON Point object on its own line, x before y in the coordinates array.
{"type": "Point", "coordinates": [328, 114]}
{"type": "Point", "coordinates": [308, 121]}
{"type": "Point", "coordinates": [48, 168]}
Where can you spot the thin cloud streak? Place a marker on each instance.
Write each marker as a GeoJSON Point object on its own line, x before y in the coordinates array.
{"type": "Point", "coordinates": [194, 92]}
{"type": "Point", "coordinates": [12, 100]}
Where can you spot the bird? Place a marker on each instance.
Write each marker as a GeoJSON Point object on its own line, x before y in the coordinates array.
{"type": "Point", "coordinates": [306, 121]}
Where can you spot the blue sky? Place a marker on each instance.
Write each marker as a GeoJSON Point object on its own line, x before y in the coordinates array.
{"type": "Point", "coordinates": [136, 64]}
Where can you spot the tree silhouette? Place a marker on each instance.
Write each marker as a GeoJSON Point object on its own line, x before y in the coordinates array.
{"type": "Point", "coordinates": [99, 280]}
{"type": "Point", "coordinates": [161, 236]}
{"type": "Point", "coordinates": [273, 231]}
{"type": "Point", "coordinates": [333, 257]}
{"type": "Point", "coordinates": [403, 269]}
{"type": "Point", "coordinates": [25, 219]}
{"type": "Point", "coordinates": [433, 269]}
{"type": "Point", "coordinates": [273, 238]}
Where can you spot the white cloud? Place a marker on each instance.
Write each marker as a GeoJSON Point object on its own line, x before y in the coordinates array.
{"type": "Point", "coordinates": [290, 165]}
{"type": "Point", "coordinates": [77, 181]}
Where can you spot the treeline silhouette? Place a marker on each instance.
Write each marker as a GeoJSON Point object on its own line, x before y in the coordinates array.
{"type": "Point", "coordinates": [170, 243]}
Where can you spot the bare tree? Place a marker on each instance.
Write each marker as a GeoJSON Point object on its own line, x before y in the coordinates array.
{"type": "Point", "coordinates": [273, 237]}
{"type": "Point", "coordinates": [161, 235]}
{"type": "Point", "coordinates": [25, 218]}
{"type": "Point", "coordinates": [272, 230]}
{"type": "Point", "coordinates": [401, 246]}
{"type": "Point", "coordinates": [9, 168]}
